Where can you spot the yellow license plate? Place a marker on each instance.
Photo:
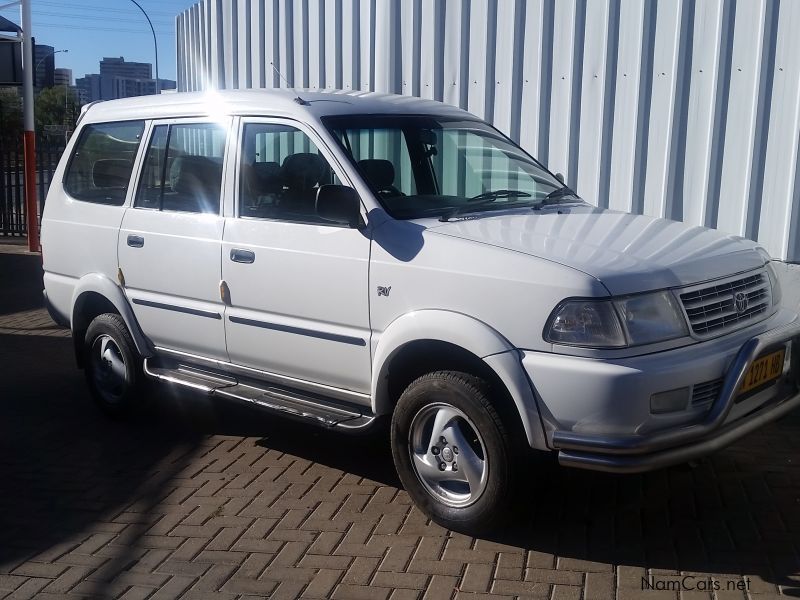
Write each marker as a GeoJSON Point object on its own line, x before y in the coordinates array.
{"type": "Point", "coordinates": [763, 370]}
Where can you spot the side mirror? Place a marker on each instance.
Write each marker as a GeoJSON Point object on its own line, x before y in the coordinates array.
{"type": "Point", "coordinates": [339, 204]}
{"type": "Point", "coordinates": [560, 177]}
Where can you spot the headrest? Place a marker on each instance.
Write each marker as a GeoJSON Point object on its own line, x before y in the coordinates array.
{"type": "Point", "coordinates": [195, 175]}
{"type": "Point", "coordinates": [303, 170]}
{"type": "Point", "coordinates": [198, 177]}
{"type": "Point", "coordinates": [111, 173]}
{"type": "Point", "coordinates": [262, 178]}
{"type": "Point", "coordinates": [379, 172]}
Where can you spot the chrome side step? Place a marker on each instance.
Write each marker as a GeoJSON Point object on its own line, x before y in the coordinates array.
{"type": "Point", "coordinates": [187, 376]}
{"type": "Point", "coordinates": [282, 400]}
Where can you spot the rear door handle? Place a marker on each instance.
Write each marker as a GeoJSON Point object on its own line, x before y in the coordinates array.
{"type": "Point", "coordinates": [135, 241]}
{"type": "Point", "coordinates": [242, 256]}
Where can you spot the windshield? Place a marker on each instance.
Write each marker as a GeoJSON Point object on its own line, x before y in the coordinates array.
{"type": "Point", "coordinates": [421, 166]}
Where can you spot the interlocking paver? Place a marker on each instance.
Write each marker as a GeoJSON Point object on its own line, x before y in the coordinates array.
{"type": "Point", "coordinates": [321, 586]}
{"type": "Point", "coordinates": [416, 581]}
{"type": "Point", "coordinates": [346, 591]}
{"type": "Point", "coordinates": [202, 500]}
{"type": "Point", "coordinates": [477, 577]}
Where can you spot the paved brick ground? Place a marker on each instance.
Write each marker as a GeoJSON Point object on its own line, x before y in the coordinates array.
{"type": "Point", "coordinates": [200, 499]}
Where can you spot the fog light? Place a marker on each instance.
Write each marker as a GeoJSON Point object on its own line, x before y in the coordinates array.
{"type": "Point", "coordinates": [671, 401]}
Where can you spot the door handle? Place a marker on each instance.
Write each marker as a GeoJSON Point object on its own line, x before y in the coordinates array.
{"type": "Point", "coordinates": [243, 256]}
{"type": "Point", "coordinates": [135, 241]}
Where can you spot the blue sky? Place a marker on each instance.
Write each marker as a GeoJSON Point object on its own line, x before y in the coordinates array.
{"type": "Point", "coordinates": [92, 29]}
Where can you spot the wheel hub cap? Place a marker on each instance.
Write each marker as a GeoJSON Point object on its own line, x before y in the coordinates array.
{"type": "Point", "coordinates": [448, 454]}
{"type": "Point", "coordinates": [109, 371]}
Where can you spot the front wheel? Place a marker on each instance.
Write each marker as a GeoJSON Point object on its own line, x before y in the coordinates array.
{"type": "Point", "coordinates": [113, 366]}
{"type": "Point", "coordinates": [453, 452]}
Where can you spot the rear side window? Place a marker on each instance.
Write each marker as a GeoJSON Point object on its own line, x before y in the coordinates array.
{"type": "Point", "coordinates": [183, 168]}
{"type": "Point", "coordinates": [101, 164]}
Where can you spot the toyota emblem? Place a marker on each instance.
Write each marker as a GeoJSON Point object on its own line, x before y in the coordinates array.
{"type": "Point", "coordinates": [740, 302]}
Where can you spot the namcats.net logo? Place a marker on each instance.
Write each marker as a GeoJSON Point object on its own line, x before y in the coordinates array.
{"type": "Point", "coordinates": [690, 583]}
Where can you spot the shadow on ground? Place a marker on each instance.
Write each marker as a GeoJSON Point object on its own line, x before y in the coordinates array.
{"type": "Point", "coordinates": [62, 465]}
{"type": "Point", "coordinates": [65, 468]}
{"type": "Point", "coordinates": [21, 281]}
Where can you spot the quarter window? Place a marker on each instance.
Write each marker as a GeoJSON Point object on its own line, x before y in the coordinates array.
{"type": "Point", "coordinates": [183, 168]}
{"type": "Point", "coordinates": [281, 171]}
{"type": "Point", "coordinates": [102, 162]}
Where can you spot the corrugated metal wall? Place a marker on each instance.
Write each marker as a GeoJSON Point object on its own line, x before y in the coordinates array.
{"type": "Point", "coordinates": [689, 110]}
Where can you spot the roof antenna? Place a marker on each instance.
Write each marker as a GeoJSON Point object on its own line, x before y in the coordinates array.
{"type": "Point", "coordinates": [297, 99]}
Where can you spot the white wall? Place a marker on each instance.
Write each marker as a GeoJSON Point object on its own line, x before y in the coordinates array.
{"type": "Point", "coordinates": [688, 110]}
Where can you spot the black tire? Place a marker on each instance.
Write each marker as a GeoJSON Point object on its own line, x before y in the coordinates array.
{"type": "Point", "coordinates": [116, 389]}
{"type": "Point", "coordinates": [458, 505]}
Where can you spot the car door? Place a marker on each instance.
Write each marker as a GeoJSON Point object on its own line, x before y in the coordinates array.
{"type": "Point", "coordinates": [170, 239]}
{"type": "Point", "coordinates": [298, 284]}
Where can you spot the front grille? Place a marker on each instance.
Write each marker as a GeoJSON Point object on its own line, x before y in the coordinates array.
{"type": "Point", "coordinates": [713, 310]}
{"type": "Point", "coordinates": [705, 393]}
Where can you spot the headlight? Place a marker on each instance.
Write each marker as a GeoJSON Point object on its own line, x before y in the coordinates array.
{"type": "Point", "coordinates": [777, 293]}
{"type": "Point", "coordinates": [629, 321]}
{"type": "Point", "coordinates": [651, 318]}
{"type": "Point", "coordinates": [586, 323]}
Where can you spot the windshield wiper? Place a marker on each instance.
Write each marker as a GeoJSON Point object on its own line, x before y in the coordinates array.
{"type": "Point", "coordinates": [555, 196]}
{"type": "Point", "coordinates": [484, 199]}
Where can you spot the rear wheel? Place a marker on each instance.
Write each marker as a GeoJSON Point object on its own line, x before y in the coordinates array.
{"type": "Point", "coordinates": [453, 452]}
{"type": "Point", "coordinates": [113, 366]}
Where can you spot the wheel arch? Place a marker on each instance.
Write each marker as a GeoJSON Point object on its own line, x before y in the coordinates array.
{"type": "Point", "coordinates": [94, 295]}
{"type": "Point", "coordinates": [432, 340]}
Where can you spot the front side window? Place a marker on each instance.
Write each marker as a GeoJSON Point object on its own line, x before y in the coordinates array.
{"type": "Point", "coordinates": [281, 170]}
{"type": "Point", "coordinates": [183, 168]}
{"type": "Point", "coordinates": [421, 166]}
{"type": "Point", "coordinates": [102, 162]}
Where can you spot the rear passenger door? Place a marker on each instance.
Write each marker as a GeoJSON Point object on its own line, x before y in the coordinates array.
{"type": "Point", "coordinates": [169, 243]}
{"type": "Point", "coordinates": [298, 284]}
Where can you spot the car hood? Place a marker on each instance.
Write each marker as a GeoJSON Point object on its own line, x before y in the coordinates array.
{"type": "Point", "coordinates": [627, 253]}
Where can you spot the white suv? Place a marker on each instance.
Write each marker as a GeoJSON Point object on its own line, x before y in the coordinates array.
{"type": "Point", "coordinates": [341, 257]}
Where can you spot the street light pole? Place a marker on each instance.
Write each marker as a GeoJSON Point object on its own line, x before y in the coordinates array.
{"type": "Point", "coordinates": [46, 56]}
{"type": "Point", "coordinates": [155, 44]}
{"type": "Point", "coordinates": [29, 136]}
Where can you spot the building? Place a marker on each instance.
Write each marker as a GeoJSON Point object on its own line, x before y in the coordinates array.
{"type": "Point", "coordinates": [113, 68]}
{"type": "Point", "coordinates": [45, 64]}
{"type": "Point", "coordinates": [127, 87]}
{"type": "Point", "coordinates": [690, 111]}
{"type": "Point", "coordinates": [119, 78]}
{"type": "Point", "coordinates": [88, 88]}
{"type": "Point", "coordinates": [168, 85]}
{"type": "Point", "coordinates": [62, 76]}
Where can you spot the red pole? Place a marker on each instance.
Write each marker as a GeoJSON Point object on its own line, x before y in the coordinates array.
{"type": "Point", "coordinates": [29, 137]}
{"type": "Point", "coordinates": [31, 204]}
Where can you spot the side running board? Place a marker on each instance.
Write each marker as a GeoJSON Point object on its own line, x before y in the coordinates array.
{"type": "Point", "coordinates": [282, 400]}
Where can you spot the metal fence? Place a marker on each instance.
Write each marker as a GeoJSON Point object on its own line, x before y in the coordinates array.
{"type": "Point", "coordinates": [13, 220]}
{"type": "Point", "coordinates": [683, 109]}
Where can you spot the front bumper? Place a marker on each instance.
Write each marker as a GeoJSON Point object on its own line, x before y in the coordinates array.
{"type": "Point", "coordinates": [635, 442]}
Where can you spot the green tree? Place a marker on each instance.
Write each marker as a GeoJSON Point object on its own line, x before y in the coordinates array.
{"type": "Point", "coordinates": [56, 106]}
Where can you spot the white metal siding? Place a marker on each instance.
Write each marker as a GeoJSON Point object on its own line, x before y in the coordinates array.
{"type": "Point", "coordinates": [688, 110]}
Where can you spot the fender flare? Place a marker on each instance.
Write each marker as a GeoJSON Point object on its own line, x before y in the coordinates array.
{"type": "Point", "coordinates": [111, 291]}
{"type": "Point", "coordinates": [470, 334]}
